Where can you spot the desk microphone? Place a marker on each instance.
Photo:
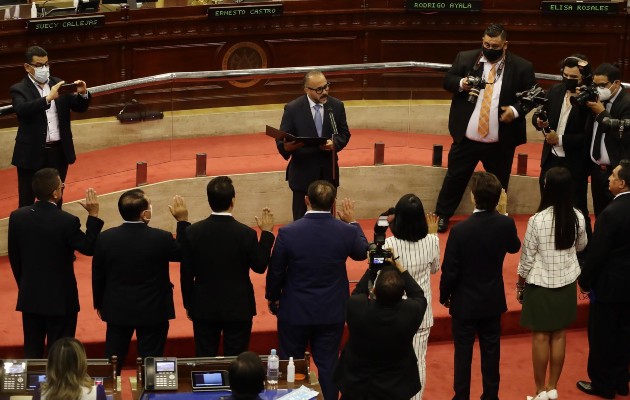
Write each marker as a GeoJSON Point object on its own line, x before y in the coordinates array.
{"type": "Point", "coordinates": [332, 120]}
{"type": "Point", "coordinates": [44, 9]}
{"type": "Point", "coordinates": [335, 133]}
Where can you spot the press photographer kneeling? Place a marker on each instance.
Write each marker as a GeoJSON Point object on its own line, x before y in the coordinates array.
{"type": "Point", "coordinates": [378, 361]}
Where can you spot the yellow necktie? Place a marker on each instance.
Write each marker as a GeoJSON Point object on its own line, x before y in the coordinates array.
{"type": "Point", "coordinates": [484, 115]}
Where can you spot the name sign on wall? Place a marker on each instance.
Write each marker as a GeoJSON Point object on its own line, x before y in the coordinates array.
{"type": "Point", "coordinates": [65, 24]}
{"type": "Point", "coordinates": [271, 10]}
{"type": "Point", "coordinates": [580, 7]}
{"type": "Point", "coordinates": [443, 6]}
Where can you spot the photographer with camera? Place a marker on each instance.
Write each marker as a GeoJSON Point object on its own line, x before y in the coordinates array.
{"type": "Point", "coordinates": [605, 146]}
{"type": "Point", "coordinates": [486, 127]}
{"type": "Point", "coordinates": [418, 248]}
{"type": "Point", "coordinates": [378, 361]}
{"type": "Point", "coordinates": [472, 286]}
{"type": "Point", "coordinates": [563, 127]}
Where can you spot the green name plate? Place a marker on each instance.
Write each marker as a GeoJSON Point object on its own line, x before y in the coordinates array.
{"type": "Point", "coordinates": [65, 24]}
{"type": "Point", "coordinates": [580, 7]}
{"type": "Point", "coordinates": [256, 11]}
{"type": "Point", "coordinates": [443, 6]}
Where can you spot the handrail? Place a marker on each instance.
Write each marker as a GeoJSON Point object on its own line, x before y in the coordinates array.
{"type": "Point", "coordinates": [205, 76]}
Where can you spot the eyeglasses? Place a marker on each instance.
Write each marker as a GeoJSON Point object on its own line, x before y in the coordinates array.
{"type": "Point", "coordinates": [603, 85]}
{"type": "Point", "coordinates": [38, 65]}
{"type": "Point", "coordinates": [320, 89]}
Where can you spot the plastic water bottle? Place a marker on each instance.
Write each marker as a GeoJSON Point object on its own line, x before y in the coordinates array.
{"type": "Point", "coordinates": [33, 10]}
{"type": "Point", "coordinates": [291, 370]}
{"type": "Point", "coordinates": [273, 368]}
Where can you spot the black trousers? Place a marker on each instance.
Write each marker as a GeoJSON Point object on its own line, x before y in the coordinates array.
{"type": "Point", "coordinates": [54, 158]}
{"type": "Point", "coordinates": [580, 187]}
{"type": "Point", "coordinates": [324, 341]}
{"type": "Point", "coordinates": [42, 329]}
{"type": "Point", "coordinates": [151, 341]}
{"type": "Point", "coordinates": [236, 335]}
{"type": "Point", "coordinates": [599, 187]}
{"type": "Point", "coordinates": [462, 160]}
{"type": "Point", "coordinates": [609, 346]}
{"type": "Point", "coordinates": [299, 205]}
{"type": "Point", "coordinates": [489, 332]}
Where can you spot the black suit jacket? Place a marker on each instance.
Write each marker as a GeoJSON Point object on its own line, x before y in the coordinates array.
{"type": "Point", "coordinates": [574, 138]}
{"type": "Point", "coordinates": [607, 268]}
{"type": "Point", "coordinates": [131, 284]}
{"type": "Point", "coordinates": [42, 241]}
{"type": "Point", "coordinates": [472, 271]}
{"type": "Point", "coordinates": [308, 164]}
{"type": "Point", "coordinates": [30, 107]}
{"type": "Point", "coordinates": [617, 147]}
{"type": "Point", "coordinates": [379, 358]}
{"type": "Point", "coordinates": [218, 254]}
{"type": "Point", "coordinates": [518, 76]}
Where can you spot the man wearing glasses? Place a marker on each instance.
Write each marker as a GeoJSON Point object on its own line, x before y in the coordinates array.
{"type": "Point", "coordinates": [44, 138]}
{"type": "Point", "coordinates": [485, 120]}
{"type": "Point", "coordinates": [605, 145]}
{"type": "Point", "coordinates": [312, 115]}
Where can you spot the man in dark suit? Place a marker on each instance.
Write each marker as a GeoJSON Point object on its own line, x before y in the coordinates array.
{"type": "Point", "coordinates": [378, 361]}
{"type": "Point", "coordinates": [44, 137]}
{"type": "Point", "coordinates": [307, 281]}
{"type": "Point", "coordinates": [218, 254]}
{"type": "Point", "coordinates": [472, 285]}
{"type": "Point", "coordinates": [565, 144]}
{"type": "Point", "coordinates": [42, 240]}
{"type": "Point", "coordinates": [489, 128]}
{"type": "Point", "coordinates": [311, 116]}
{"type": "Point", "coordinates": [606, 146]}
{"type": "Point", "coordinates": [131, 285]}
{"type": "Point", "coordinates": [606, 276]}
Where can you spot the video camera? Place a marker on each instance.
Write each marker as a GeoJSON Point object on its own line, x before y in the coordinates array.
{"type": "Point", "coordinates": [376, 253]}
{"type": "Point", "coordinates": [532, 98]}
{"type": "Point", "coordinates": [587, 93]}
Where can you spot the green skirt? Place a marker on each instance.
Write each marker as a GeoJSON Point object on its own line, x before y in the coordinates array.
{"type": "Point", "coordinates": [548, 310]}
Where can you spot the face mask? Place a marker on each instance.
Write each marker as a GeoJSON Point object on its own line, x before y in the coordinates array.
{"type": "Point", "coordinates": [491, 54]}
{"type": "Point", "coordinates": [41, 74]}
{"type": "Point", "coordinates": [604, 94]}
{"type": "Point", "coordinates": [571, 84]}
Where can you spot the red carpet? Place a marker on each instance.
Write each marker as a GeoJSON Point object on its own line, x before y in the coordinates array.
{"type": "Point", "coordinates": [114, 169]}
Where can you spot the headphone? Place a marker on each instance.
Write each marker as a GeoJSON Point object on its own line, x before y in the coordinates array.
{"type": "Point", "coordinates": [583, 66]}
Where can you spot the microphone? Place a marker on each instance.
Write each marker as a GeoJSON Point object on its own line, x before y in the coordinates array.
{"type": "Point", "coordinates": [44, 9]}
{"type": "Point", "coordinates": [332, 120]}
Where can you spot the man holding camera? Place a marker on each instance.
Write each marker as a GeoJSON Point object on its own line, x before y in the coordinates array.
{"type": "Point", "coordinates": [563, 126]}
{"type": "Point", "coordinates": [486, 127]}
{"type": "Point", "coordinates": [379, 361]}
{"type": "Point", "coordinates": [605, 144]}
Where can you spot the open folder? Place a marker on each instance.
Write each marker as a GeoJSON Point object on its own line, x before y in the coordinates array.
{"type": "Point", "coordinates": [307, 140]}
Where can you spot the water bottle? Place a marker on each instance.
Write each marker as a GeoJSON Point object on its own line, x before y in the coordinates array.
{"type": "Point", "coordinates": [273, 368]}
{"type": "Point", "coordinates": [291, 371]}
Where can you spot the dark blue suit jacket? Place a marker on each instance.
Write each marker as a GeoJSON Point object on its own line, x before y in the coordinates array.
{"type": "Point", "coordinates": [308, 164]}
{"type": "Point", "coordinates": [308, 273]}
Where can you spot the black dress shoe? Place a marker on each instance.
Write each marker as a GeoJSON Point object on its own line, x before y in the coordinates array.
{"type": "Point", "coordinates": [588, 388]}
{"type": "Point", "coordinates": [442, 224]}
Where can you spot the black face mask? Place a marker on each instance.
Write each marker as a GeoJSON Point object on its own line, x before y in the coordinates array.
{"type": "Point", "coordinates": [491, 54]}
{"type": "Point", "coordinates": [571, 84]}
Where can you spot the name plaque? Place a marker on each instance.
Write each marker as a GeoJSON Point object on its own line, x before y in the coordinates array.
{"type": "Point", "coordinates": [65, 24]}
{"type": "Point", "coordinates": [579, 7]}
{"type": "Point", "coordinates": [443, 6]}
{"type": "Point", "coordinates": [254, 11]}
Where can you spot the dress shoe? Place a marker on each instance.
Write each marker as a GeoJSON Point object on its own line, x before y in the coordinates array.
{"type": "Point", "coordinates": [540, 396]}
{"type": "Point", "coordinates": [442, 224]}
{"type": "Point", "coordinates": [588, 388]}
{"type": "Point", "coordinates": [552, 394]}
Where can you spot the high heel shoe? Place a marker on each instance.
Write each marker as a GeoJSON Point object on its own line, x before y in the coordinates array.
{"type": "Point", "coordinates": [552, 394]}
{"type": "Point", "coordinates": [540, 396]}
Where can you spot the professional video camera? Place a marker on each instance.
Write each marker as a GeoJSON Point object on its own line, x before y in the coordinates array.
{"type": "Point", "coordinates": [376, 253]}
{"type": "Point", "coordinates": [587, 93]}
{"type": "Point", "coordinates": [532, 98]}
{"type": "Point", "coordinates": [477, 83]}
{"type": "Point", "coordinates": [619, 125]}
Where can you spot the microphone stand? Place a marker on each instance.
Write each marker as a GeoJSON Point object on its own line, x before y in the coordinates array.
{"type": "Point", "coordinates": [334, 151]}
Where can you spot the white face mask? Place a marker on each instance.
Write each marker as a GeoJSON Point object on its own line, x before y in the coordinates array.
{"type": "Point", "coordinates": [604, 94]}
{"type": "Point", "coordinates": [41, 73]}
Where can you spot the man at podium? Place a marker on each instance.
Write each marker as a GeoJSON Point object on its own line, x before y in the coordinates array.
{"type": "Point", "coordinates": [313, 115]}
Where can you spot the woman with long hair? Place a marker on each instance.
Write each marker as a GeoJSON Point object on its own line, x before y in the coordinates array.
{"type": "Point", "coordinates": [549, 266]}
{"type": "Point", "coordinates": [416, 244]}
{"type": "Point", "coordinates": [66, 374]}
